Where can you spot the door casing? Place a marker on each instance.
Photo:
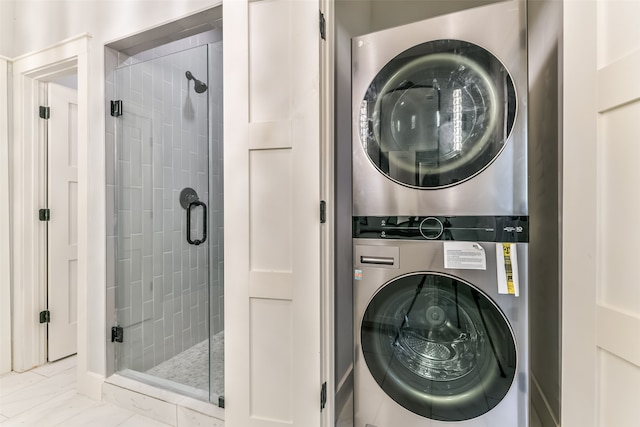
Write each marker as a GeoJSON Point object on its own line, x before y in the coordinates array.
{"type": "Point", "coordinates": [27, 187]}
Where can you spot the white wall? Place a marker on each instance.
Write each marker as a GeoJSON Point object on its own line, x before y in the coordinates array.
{"type": "Point", "coordinates": [5, 254]}
{"type": "Point", "coordinates": [7, 18]}
{"type": "Point", "coordinates": [47, 23]}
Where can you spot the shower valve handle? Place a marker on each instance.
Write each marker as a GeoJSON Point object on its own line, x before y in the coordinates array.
{"type": "Point", "coordinates": [204, 223]}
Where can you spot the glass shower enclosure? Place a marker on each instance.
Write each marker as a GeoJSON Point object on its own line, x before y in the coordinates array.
{"type": "Point", "coordinates": [168, 221]}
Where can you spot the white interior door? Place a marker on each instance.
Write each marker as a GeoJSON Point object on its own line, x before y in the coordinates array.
{"type": "Point", "coordinates": [618, 293]}
{"type": "Point", "coordinates": [62, 238]}
{"type": "Point", "coordinates": [272, 213]}
{"type": "Point", "coordinates": [601, 309]}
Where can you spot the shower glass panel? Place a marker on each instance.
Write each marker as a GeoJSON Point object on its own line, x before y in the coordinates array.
{"type": "Point", "coordinates": [168, 222]}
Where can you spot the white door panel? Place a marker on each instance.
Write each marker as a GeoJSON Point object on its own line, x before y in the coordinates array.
{"type": "Point", "coordinates": [272, 224]}
{"type": "Point", "coordinates": [617, 300]}
{"type": "Point", "coordinates": [601, 300]}
{"type": "Point", "coordinates": [62, 239]}
{"type": "Point", "coordinates": [618, 297]}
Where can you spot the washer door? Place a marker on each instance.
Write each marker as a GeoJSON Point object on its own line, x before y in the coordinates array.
{"type": "Point", "coordinates": [438, 346]}
{"type": "Point", "coordinates": [437, 114]}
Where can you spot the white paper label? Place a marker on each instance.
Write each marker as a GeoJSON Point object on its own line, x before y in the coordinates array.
{"type": "Point", "coordinates": [508, 279]}
{"type": "Point", "coordinates": [464, 255]}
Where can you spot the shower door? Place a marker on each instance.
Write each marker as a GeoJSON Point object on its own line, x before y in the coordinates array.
{"type": "Point", "coordinates": [166, 225]}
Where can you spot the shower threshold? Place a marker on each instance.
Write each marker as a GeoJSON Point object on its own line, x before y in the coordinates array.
{"type": "Point", "coordinates": [166, 384]}
{"type": "Point", "coordinates": [135, 393]}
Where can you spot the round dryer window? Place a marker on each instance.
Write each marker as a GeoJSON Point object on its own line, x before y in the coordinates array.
{"type": "Point", "coordinates": [438, 346]}
{"type": "Point", "coordinates": [437, 114]}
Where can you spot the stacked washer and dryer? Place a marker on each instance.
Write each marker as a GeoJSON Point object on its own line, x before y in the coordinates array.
{"type": "Point", "coordinates": [440, 225]}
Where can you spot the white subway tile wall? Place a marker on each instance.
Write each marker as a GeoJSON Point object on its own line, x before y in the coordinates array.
{"type": "Point", "coordinates": [167, 293]}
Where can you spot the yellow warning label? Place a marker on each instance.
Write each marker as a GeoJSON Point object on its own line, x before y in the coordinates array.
{"type": "Point", "coordinates": [508, 268]}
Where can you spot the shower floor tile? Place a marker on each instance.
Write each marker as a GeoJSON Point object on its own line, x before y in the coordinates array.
{"type": "Point", "coordinates": [191, 367]}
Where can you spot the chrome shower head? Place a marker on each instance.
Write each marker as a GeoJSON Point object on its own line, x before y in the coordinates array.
{"type": "Point", "coordinates": [199, 87]}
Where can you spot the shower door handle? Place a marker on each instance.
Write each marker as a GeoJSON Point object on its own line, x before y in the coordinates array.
{"type": "Point", "coordinates": [204, 223]}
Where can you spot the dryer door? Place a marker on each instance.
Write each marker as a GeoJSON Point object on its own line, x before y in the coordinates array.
{"type": "Point", "coordinates": [437, 114]}
{"type": "Point", "coordinates": [438, 346]}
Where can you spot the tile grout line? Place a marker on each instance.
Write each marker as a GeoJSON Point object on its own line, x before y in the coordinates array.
{"type": "Point", "coordinates": [35, 408]}
{"type": "Point", "coordinates": [48, 398]}
{"type": "Point", "coordinates": [45, 401]}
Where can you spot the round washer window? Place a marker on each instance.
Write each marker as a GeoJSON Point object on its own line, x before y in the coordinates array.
{"type": "Point", "coordinates": [438, 346]}
{"type": "Point", "coordinates": [437, 114]}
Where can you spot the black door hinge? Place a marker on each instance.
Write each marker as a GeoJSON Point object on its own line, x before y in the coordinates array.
{"type": "Point", "coordinates": [45, 112]}
{"type": "Point", "coordinates": [117, 334]}
{"type": "Point", "coordinates": [323, 395]}
{"type": "Point", "coordinates": [45, 316]}
{"type": "Point", "coordinates": [323, 211]}
{"type": "Point", "coordinates": [323, 26]}
{"type": "Point", "coordinates": [116, 108]}
{"type": "Point", "coordinates": [221, 402]}
{"type": "Point", "coordinates": [44, 214]}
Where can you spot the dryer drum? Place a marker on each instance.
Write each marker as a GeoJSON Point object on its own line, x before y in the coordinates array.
{"type": "Point", "coordinates": [437, 114]}
{"type": "Point", "coordinates": [438, 346]}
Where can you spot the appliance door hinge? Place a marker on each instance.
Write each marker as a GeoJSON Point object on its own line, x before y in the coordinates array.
{"type": "Point", "coordinates": [323, 395]}
{"type": "Point", "coordinates": [117, 334]}
{"type": "Point", "coordinates": [44, 214]}
{"type": "Point", "coordinates": [116, 108]}
{"type": "Point", "coordinates": [45, 316]}
{"type": "Point", "coordinates": [44, 112]}
{"type": "Point", "coordinates": [221, 402]}
{"type": "Point", "coordinates": [323, 26]}
{"type": "Point", "coordinates": [323, 211]}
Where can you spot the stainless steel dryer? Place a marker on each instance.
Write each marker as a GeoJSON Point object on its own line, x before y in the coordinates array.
{"type": "Point", "coordinates": [438, 341]}
{"type": "Point", "coordinates": [439, 116]}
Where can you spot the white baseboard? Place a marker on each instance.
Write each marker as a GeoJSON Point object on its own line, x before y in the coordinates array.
{"type": "Point", "coordinates": [90, 385]}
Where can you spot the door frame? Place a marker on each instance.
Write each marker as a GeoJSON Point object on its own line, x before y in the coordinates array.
{"type": "Point", "coordinates": [327, 192]}
{"type": "Point", "coordinates": [5, 249]}
{"type": "Point", "coordinates": [579, 401]}
{"type": "Point", "coordinates": [28, 187]}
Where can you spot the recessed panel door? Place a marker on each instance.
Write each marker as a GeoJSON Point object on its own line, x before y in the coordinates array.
{"type": "Point", "coordinates": [62, 236]}
{"type": "Point", "coordinates": [273, 232]}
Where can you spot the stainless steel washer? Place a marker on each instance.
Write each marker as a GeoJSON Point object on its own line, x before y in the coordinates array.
{"type": "Point", "coordinates": [439, 116]}
{"type": "Point", "coordinates": [438, 342]}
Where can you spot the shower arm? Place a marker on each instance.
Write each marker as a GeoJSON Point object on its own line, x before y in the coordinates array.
{"type": "Point", "coordinates": [199, 86]}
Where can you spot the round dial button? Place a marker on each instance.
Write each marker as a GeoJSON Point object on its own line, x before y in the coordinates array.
{"type": "Point", "coordinates": [431, 228]}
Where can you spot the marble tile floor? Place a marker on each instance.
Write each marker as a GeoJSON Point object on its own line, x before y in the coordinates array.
{"type": "Point", "coordinates": [46, 397]}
